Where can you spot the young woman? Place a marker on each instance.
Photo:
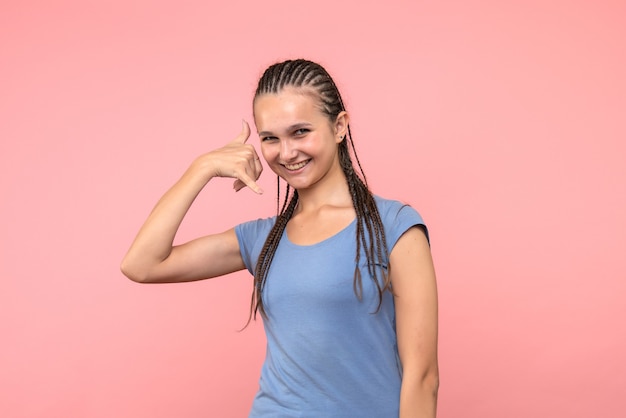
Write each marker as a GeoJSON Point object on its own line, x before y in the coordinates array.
{"type": "Point", "coordinates": [343, 279]}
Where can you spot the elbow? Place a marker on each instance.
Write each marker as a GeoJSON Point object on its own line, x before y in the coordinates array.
{"type": "Point", "coordinates": [432, 384]}
{"type": "Point", "coordinates": [426, 382]}
{"type": "Point", "coordinates": [132, 273]}
{"type": "Point", "coordinates": [419, 393]}
{"type": "Point", "coordinates": [430, 380]}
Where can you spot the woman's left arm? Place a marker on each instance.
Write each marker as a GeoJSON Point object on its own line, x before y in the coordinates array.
{"type": "Point", "coordinates": [415, 294]}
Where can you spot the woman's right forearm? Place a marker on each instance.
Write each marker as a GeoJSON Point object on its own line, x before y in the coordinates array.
{"type": "Point", "coordinates": [154, 241]}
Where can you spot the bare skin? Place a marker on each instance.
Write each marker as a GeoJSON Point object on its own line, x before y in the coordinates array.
{"type": "Point", "coordinates": [292, 131]}
{"type": "Point", "coordinates": [152, 258]}
{"type": "Point", "coordinates": [299, 143]}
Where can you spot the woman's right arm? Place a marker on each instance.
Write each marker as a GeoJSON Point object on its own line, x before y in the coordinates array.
{"type": "Point", "coordinates": [152, 257]}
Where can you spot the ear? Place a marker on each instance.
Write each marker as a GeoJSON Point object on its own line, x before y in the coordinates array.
{"type": "Point", "coordinates": [341, 126]}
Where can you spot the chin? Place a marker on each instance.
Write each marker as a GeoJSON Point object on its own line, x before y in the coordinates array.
{"type": "Point", "coordinates": [298, 184]}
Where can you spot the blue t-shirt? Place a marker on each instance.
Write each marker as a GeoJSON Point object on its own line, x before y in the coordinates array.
{"type": "Point", "coordinates": [328, 353]}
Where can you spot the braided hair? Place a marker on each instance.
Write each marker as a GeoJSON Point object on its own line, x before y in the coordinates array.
{"type": "Point", "coordinates": [370, 235]}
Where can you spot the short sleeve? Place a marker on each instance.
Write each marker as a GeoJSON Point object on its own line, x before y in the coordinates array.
{"type": "Point", "coordinates": [398, 218]}
{"type": "Point", "coordinates": [251, 236]}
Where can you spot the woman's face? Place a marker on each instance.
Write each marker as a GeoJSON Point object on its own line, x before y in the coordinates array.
{"type": "Point", "coordinates": [298, 141]}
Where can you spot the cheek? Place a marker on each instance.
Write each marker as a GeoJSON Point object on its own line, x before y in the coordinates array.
{"type": "Point", "coordinates": [267, 152]}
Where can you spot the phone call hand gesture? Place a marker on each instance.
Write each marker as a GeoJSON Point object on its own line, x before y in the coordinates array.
{"type": "Point", "coordinates": [237, 160]}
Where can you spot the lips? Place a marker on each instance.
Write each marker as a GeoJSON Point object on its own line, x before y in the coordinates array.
{"type": "Point", "coordinates": [297, 166]}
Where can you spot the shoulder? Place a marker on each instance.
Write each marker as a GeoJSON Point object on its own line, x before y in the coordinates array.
{"type": "Point", "coordinates": [390, 209]}
{"type": "Point", "coordinates": [251, 236]}
{"type": "Point", "coordinates": [397, 217]}
{"type": "Point", "coordinates": [257, 227]}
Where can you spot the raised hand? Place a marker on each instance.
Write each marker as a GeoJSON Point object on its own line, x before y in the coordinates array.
{"type": "Point", "coordinates": [237, 160]}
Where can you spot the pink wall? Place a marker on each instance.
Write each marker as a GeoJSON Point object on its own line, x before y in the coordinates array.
{"type": "Point", "coordinates": [502, 122]}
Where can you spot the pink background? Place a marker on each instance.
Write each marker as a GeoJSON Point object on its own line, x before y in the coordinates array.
{"type": "Point", "coordinates": [502, 122]}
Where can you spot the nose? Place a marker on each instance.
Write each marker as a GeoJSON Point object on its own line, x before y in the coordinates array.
{"type": "Point", "coordinates": [288, 151]}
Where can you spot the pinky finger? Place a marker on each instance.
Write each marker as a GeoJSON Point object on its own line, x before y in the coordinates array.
{"type": "Point", "coordinates": [238, 185]}
{"type": "Point", "coordinates": [244, 181]}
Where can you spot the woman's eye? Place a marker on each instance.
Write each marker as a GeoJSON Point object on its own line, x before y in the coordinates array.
{"type": "Point", "coordinates": [301, 131]}
{"type": "Point", "coordinates": [268, 138]}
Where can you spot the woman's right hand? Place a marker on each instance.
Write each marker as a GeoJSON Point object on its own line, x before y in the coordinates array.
{"type": "Point", "coordinates": [237, 160]}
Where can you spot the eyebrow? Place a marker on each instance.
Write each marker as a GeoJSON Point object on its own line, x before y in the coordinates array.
{"type": "Point", "coordinates": [291, 128]}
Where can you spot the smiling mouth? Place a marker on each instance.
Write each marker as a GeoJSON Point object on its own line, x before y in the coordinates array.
{"type": "Point", "coordinates": [298, 166]}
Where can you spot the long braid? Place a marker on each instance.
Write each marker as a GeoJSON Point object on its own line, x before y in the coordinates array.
{"type": "Point", "coordinates": [370, 234]}
{"type": "Point", "coordinates": [267, 255]}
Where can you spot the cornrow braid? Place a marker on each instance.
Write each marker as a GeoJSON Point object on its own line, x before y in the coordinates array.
{"type": "Point", "coordinates": [370, 234]}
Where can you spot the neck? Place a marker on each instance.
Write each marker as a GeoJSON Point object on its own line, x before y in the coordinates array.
{"type": "Point", "coordinates": [332, 192]}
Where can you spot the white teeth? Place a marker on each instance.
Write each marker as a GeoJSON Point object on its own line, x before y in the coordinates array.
{"type": "Point", "coordinates": [298, 166]}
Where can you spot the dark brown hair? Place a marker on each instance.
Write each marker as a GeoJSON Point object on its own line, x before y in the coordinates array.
{"type": "Point", "coordinates": [370, 234]}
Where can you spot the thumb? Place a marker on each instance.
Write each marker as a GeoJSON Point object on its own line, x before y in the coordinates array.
{"type": "Point", "coordinates": [243, 136]}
